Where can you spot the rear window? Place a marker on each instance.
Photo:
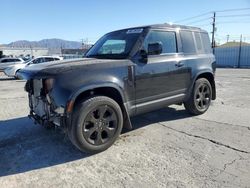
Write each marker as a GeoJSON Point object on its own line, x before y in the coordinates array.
{"type": "Point", "coordinates": [198, 42]}
{"type": "Point", "coordinates": [188, 44]}
{"type": "Point", "coordinates": [206, 43]}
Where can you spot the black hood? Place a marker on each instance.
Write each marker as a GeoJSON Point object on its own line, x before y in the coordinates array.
{"type": "Point", "coordinates": [51, 69]}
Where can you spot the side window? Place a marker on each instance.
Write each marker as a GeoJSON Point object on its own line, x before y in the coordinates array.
{"type": "Point", "coordinates": [166, 38]}
{"type": "Point", "coordinates": [38, 60]}
{"type": "Point", "coordinates": [206, 43]}
{"type": "Point", "coordinates": [187, 42]}
{"type": "Point", "coordinates": [16, 60]}
{"type": "Point", "coordinates": [47, 59]}
{"type": "Point", "coordinates": [198, 42]}
{"type": "Point", "coordinates": [5, 61]}
{"type": "Point", "coordinates": [8, 60]}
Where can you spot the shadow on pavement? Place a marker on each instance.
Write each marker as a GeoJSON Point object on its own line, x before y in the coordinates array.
{"type": "Point", "coordinates": [166, 114]}
{"type": "Point", "coordinates": [6, 78]}
{"type": "Point", "coordinates": [25, 146]}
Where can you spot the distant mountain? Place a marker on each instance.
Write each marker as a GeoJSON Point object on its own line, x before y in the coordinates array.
{"type": "Point", "coordinates": [46, 43]}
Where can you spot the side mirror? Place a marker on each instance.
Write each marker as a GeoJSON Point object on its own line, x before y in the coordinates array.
{"type": "Point", "coordinates": [155, 48]}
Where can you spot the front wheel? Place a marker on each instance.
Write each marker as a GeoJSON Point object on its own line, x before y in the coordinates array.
{"type": "Point", "coordinates": [97, 123]}
{"type": "Point", "coordinates": [200, 98]}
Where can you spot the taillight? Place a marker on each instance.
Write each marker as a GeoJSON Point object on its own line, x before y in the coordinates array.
{"type": "Point", "coordinates": [48, 85]}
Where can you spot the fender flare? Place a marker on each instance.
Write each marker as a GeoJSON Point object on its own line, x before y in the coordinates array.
{"type": "Point", "coordinates": [195, 78]}
{"type": "Point", "coordinates": [72, 98]}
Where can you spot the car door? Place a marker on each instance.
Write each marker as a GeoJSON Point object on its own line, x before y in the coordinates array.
{"type": "Point", "coordinates": [164, 78]}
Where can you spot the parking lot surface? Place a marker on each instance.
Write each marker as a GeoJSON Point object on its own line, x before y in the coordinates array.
{"type": "Point", "coordinates": [167, 148]}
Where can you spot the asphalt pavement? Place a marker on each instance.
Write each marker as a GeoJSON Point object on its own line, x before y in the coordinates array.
{"type": "Point", "coordinates": [166, 148]}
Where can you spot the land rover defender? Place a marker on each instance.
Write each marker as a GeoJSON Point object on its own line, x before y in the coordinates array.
{"type": "Point", "coordinates": [126, 73]}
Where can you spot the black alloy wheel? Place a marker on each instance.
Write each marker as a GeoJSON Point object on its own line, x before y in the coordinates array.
{"type": "Point", "coordinates": [203, 96]}
{"type": "Point", "coordinates": [200, 98]}
{"type": "Point", "coordinates": [100, 125]}
{"type": "Point", "coordinates": [97, 123]}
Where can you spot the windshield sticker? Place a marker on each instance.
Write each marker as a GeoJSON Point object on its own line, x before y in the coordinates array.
{"type": "Point", "coordinates": [132, 31]}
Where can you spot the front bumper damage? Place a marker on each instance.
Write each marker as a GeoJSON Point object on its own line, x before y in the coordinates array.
{"type": "Point", "coordinates": [42, 109]}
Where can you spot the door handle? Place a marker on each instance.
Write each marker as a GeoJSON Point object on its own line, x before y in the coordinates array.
{"type": "Point", "coordinates": [179, 64]}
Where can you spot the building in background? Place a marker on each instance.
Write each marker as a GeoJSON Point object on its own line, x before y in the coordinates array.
{"type": "Point", "coordinates": [75, 53]}
{"type": "Point", "coordinates": [19, 52]}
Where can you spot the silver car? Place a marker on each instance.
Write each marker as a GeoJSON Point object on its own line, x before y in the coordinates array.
{"type": "Point", "coordinates": [8, 62]}
{"type": "Point", "coordinates": [12, 71]}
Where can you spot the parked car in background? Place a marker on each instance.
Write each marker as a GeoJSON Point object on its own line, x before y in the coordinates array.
{"type": "Point", "coordinates": [9, 61]}
{"type": "Point", "coordinates": [12, 71]}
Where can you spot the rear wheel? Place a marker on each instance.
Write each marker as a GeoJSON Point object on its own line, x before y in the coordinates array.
{"type": "Point", "coordinates": [200, 99]}
{"type": "Point", "coordinates": [97, 123]}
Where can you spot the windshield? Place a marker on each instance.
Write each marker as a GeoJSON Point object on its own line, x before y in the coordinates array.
{"type": "Point", "coordinates": [115, 45]}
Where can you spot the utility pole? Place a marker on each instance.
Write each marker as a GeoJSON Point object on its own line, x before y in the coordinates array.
{"type": "Point", "coordinates": [31, 50]}
{"type": "Point", "coordinates": [240, 51]}
{"type": "Point", "coordinates": [82, 44]}
{"type": "Point", "coordinates": [228, 38]}
{"type": "Point", "coordinates": [213, 32]}
{"type": "Point", "coordinates": [61, 49]}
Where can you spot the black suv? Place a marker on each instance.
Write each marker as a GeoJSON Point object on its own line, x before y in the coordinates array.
{"type": "Point", "coordinates": [126, 73]}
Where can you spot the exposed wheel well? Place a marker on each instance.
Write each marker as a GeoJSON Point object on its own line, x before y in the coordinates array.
{"type": "Point", "coordinates": [210, 78]}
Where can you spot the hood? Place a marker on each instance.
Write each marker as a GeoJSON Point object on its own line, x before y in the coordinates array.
{"type": "Point", "coordinates": [50, 69]}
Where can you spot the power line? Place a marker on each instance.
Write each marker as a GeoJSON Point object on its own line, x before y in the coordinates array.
{"type": "Point", "coordinates": [204, 25]}
{"type": "Point", "coordinates": [197, 21]}
{"type": "Point", "coordinates": [190, 18]}
{"type": "Point", "coordinates": [232, 10]}
{"type": "Point", "coordinates": [207, 13]}
{"type": "Point", "coordinates": [237, 15]}
{"type": "Point", "coordinates": [233, 22]}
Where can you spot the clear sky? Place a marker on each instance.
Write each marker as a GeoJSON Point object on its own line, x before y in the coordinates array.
{"type": "Point", "coordinates": [80, 19]}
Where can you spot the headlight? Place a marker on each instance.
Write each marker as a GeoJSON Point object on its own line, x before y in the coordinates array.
{"type": "Point", "coordinates": [48, 85]}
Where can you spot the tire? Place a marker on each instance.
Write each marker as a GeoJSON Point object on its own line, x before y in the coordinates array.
{"type": "Point", "coordinates": [96, 124]}
{"type": "Point", "coordinates": [16, 77]}
{"type": "Point", "coordinates": [200, 98]}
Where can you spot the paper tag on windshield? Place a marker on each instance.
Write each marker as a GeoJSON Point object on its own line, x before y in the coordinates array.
{"type": "Point", "coordinates": [132, 31]}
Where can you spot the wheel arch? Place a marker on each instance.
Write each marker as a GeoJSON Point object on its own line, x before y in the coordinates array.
{"type": "Point", "coordinates": [110, 90]}
{"type": "Point", "coordinates": [210, 77]}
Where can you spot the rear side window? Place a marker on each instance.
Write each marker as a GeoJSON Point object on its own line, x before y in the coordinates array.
{"type": "Point", "coordinates": [206, 43]}
{"type": "Point", "coordinates": [198, 41]}
{"type": "Point", "coordinates": [47, 59]}
{"type": "Point", "coordinates": [38, 60]}
{"type": "Point", "coordinates": [16, 60]}
{"type": "Point", "coordinates": [187, 40]}
{"type": "Point", "coordinates": [167, 38]}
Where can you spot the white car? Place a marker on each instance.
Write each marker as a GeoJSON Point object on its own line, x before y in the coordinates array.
{"type": "Point", "coordinates": [8, 62]}
{"type": "Point", "coordinates": [12, 71]}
